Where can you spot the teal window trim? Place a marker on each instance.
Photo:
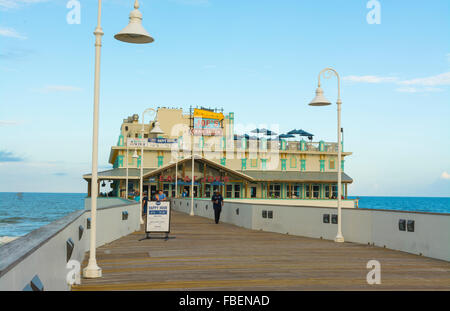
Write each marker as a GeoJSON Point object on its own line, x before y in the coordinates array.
{"type": "Point", "coordinates": [243, 164]}
{"type": "Point", "coordinates": [120, 161]}
{"type": "Point", "coordinates": [139, 162]}
{"type": "Point", "coordinates": [223, 161]}
{"type": "Point", "coordinates": [342, 164]}
{"type": "Point", "coordinates": [303, 165]}
{"type": "Point", "coordinates": [160, 161]}
{"type": "Point", "coordinates": [322, 165]}
{"type": "Point", "coordinates": [283, 164]}
{"type": "Point", "coordinates": [283, 144]}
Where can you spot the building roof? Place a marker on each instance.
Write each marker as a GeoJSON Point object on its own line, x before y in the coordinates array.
{"type": "Point", "coordinates": [296, 176]}
{"type": "Point", "coordinates": [120, 173]}
{"type": "Point", "coordinates": [203, 160]}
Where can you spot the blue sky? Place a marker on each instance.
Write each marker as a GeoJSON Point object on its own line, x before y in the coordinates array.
{"type": "Point", "coordinates": [258, 59]}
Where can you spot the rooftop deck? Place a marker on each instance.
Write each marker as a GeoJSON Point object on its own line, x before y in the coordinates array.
{"type": "Point", "coordinates": [201, 255]}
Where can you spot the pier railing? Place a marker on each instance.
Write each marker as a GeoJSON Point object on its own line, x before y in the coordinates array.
{"type": "Point", "coordinates": [43, 259]}
{"type": "Point", "coordinates": [424, 234]}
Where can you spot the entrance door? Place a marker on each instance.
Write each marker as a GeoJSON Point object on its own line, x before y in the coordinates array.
{"type": "Point", "coordinates": [152, 190]}
{"type": "Point", "coordinates": [253, 192]}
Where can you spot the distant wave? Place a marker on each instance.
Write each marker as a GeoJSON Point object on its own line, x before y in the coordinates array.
{"type": "Point", "coordinates": [12, 220]}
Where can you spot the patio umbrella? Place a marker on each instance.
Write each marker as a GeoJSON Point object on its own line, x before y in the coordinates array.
{"type": "Point", "coordinates": [286, 136]}
{"type": "Point", "coordinates": [301, 133]}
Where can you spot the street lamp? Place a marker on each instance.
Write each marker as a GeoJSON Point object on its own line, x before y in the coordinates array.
{"type": "Point", "coordinates": [320, 100]}
{"type": "Point", "coordinates": [126, 180]}
{"type": "Point", "coordinates": [133, 33]}
{"type": "Point", "coordinates": [156, 130]}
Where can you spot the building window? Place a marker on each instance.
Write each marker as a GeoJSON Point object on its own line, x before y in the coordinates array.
{"type": "Point", "coordinates": [274, 190]}
{"type": "Point", "coordinates": [327, 191]}
{"type": "Point", "coordinates": [207, 190]}
{"type": "Point", "coordinates": [332, 164]}
{"type": "Point", "coordinates": [243, 164]}
{"type": "Point", "coordinates": [237, 191]}
{"type": "Point", "coordinates": [160, 161]}
{"type": "Point", "coordinates": [315, 191]}
{"type": "Point", "coordinates": [293, 162]}
{"type": "Point", "coordinates": [229, 192]}
{"type": "Point", "coordinates": [335, 192]}
{"type": "Point", "coordinates": [166, 189]}
{"type": "Point", "coordinates": [139, 162]}
{"type": "Point", "coordinates": [303, 165]}
{"type": "Point", "coordinates": [254, 162]}
{"type": "Point", "coordinates": [307, 191]}
{"type": "Point", "coordinates": [223, 161]}
{"type": "Point", "coordinates": [283, 144]}
{"type": "Point", "coordinates": [263, 163]}
{"type": "Point", "coordinates": [283, 164]}
{"type": "Point", "coordinates": [322, 165]}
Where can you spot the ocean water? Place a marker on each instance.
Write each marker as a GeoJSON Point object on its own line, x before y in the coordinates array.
{"type": "Point", "coordinates": [417, 204]}
{"type": "Point", "coordinates": [23, 213]}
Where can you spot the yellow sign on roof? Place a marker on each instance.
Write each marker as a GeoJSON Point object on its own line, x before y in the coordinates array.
{"type": "Point", "coordinates": [206, 114]}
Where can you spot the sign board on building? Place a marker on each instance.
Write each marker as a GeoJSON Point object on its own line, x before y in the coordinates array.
{"type": "Point", "coordinates": [206, 114]}
{"type": "Point", "coordinates": [137, 142]}
{"type": "Point", "coordinates": [207, 123]}
{"type": "Point", "coordinates": [158, 217]}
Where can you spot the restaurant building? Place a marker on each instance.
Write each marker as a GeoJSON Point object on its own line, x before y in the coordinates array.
{"type": "Point", "coordinates": [239, 166]}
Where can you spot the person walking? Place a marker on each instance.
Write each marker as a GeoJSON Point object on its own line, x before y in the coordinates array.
{"type": "Point", "coordinates": [144, 203]}
{"type": "Point", "coordinates": [217, 200]}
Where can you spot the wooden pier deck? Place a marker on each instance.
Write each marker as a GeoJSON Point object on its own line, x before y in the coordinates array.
{"type": "Point", "coordinates": [201, 255]}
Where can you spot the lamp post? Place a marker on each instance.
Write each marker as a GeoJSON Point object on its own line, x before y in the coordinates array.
{"type": "Point", "coordinates": [156, 130]}
{"type": "Point", "coordinates": [320, 100]}
{"type": "Point", "coordinates": [192, 177]}
{"type": "Point", "coordinates": [133, 33]}
{"type": "Point", "coordinates": [126, 180]}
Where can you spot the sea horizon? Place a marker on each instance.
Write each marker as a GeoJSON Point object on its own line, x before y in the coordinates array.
{"type": "Point", "coordinates": [350, 196]}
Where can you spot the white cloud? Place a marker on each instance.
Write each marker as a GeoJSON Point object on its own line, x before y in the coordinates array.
{"type": "Point", "coordinates": [445, 175]}
{"type": "Point", "coordinates": [370, 79]}
{"type": "Point", "coordinates": [9, 32]}
{"type": "Point", "coordinates": [416, 85]}
{"type": "Point", "coordinates": [441, 79]}
{"type": "Point", "coordinates": [58, 88]}
{"type": "Point", "coordinates": [7, 123]}
{"type": "Point", "coordinates": [409, 89]}
{"type": "Point", "coordinates": [14, 4]}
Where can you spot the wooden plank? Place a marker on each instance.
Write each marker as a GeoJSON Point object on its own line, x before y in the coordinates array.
{"type": "Point", "coordinates": [203, 255]}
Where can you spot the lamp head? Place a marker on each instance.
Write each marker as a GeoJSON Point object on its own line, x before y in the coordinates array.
{"type": "Point", "coordinates": [319, 100]}
{"type": "Point", "coordinates": [156, 129]}
{"type": "Point", "coordinates": [134, 32]}
{"type": "Point", "coordinates": [135, 155]}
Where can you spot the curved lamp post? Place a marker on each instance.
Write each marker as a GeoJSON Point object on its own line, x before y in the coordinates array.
{"type": "Point", "coordinates": [133, 33]}
{"type": "Point", "coordinates": [320, 100]}
{"type": "Point", "coordinates": [156, 130]}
